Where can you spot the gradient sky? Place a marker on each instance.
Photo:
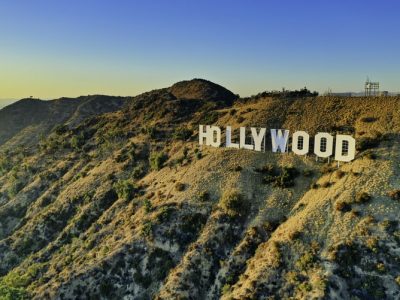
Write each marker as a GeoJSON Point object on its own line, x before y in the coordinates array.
{"type": "Point", "coordinates": [60, 48]}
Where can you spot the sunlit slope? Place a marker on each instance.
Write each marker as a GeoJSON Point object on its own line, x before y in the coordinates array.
{"type": "Point", "coordinates": [127, 204]}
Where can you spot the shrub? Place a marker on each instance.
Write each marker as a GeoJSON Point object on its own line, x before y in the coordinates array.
{"type": "Point", "coordinates": [77, 141]}
{"type": "Point", "coordinates": [106, 288]}
{"type": "Point", "coordinates": [368, 119]}
{"type": "Point", "coordinates": [13, 285]}
{"type": "Point", "coordinates": [157, 160]}
{"type": "Point", "coordinates": [233, 204]}
{"type": "Point", "coordinates": [395, 194]}
{"type": "Point", "coordinates": [282, 178]}
{"type": "Point", "coordinates": [240, 119]}
{"type": "Point", "coordinates": [12, 293]}
{"type": "Point", "coordinates": [15, 187]}
{"type": "Point", "coordinates": [314, 185]}
{"type": "Point", "coordinates": [294, 234]}
{"type": "Point", "coordinates": [343, 206]}
{"type": "Point", "coordinates": [326, 184]}
{"type": "Point", "coordinates": [182, 133]}
{"type": "Point", "coordinates": [203, 196]}
{"type": "Point", "coordinates": [148, 207]}
{"type": "Point", "coordinates": [225, 289]}
{"type": "Point", "coordinates": [362, 197]}
{"type": "Point", "coordinates": [147, 229]}
{"type": "Point", "coordinates": [151, 131]}
{"type": "Point", "coordinates": [286, 177]}
{"type": "Point", "coordinates": [199, 155]}
{"type": "Point", "coordinates": [237, 168]}
{"type": "Point", "coordinates": [60, 129]}
{"type": "Point", "coordinates": [367, 143]}
{"type": "Point", "coordinates": [138, 171]}
{"type": "Point", "coordinates": [340, 174]}
{"type": "Point", "coordinates": [209, 117]}
{"type": "Point", "coordinates": [305, 287]}
{"type": "Point", "coordinates": [381, 267]}
{"type": "Point", "coordinates": [305, 261]}
{"type": "Point", "coordinates": [268, 169]}
{"type": "Point", "coordinates": [165, 214]}
{"type": "Point", "coordinates": [370, 155]}
{"type": "Point", "coordinates": [124, 189]}
{"type": "Point", "coordinates": [307, 173]}
{"type": "Point", "coordinates": [5, 164]}
{"type": "Point", "coordinates": [180, 186]}
{"type": "Point", "coordinates": [185, 152]}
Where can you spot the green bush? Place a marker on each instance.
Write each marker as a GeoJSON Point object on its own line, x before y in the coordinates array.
{"type": "Point", "coordinates": [77, 141]}
{"type": "Point", "coordinates": [124, 189]}
{"type": "Point", "coordinates": [282, 178]}
{"type": "Point", "coordinates": [306, 261]}
{"type": "Point", "coordinates": [5, 164]}
{"type": "Point", "coordinates": [198, 155]}
{"type": "Point", "coordinates": [148, 207]}
{"type": "Point", "coordinates": [157, 160]}
{"type": "Point", "coordinates": [15, 187]}
{"type": "Point", "coordinates": [182, 133]}
{"type": "Point", "coordinates": [12, 293]}
{"type": "Point", "coordinates": [147, 229]}
{"type": "Point", "coordinates": [225, 289]}
{"type": "Point", "coordinates": [13, 285]}
{"type": "Point", "coordinates": [233, 204]}
{"type": "Point", "coordinates": [138, 171]}
{"type": "Point", "coordinates": [367, 143]}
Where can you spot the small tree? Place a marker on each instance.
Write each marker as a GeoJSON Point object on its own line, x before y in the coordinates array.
{"type": "Point", "coordinates": [232, 204]}
{"type": "Point", "coordinates": [124, 189]}
{"type": "Point", "coordinates": [157, 160]}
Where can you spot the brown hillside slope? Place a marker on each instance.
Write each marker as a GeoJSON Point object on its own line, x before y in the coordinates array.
{"type": "Point", "coordinates": [25, 121]}
{"type": "Point", "coordinates": [127, 205]}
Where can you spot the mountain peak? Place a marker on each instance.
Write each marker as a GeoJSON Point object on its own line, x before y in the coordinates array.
{"type": "Point", "coordinates": [202, 89]}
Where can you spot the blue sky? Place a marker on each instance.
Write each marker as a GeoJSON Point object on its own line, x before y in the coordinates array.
{"type": "Point", "coordinates": [60, 48]}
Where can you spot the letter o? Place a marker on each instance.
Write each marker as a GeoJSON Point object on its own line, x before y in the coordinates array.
{"type": "Point", "coordinates": [323, 144]}
{"type": "Point", "coordinates": [300, 137]}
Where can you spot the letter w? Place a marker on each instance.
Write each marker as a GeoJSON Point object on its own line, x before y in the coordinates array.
{"type": "Point", "coordinates": [279, 139]}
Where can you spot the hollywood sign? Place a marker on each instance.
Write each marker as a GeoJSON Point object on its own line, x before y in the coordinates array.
{"type": "Point", "coordinates": [342, 147]}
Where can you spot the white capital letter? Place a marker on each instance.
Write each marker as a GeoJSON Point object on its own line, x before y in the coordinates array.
{"type": "Point", "coordinates": [214, 136]}
{"type": "Point", "coordinates": [279, 140]}
{"type": "Point", "coordinates": [258, 137]}
{"type": "Point", "coordinates": [203, 134]}
{"type": "Point", "coordinates": [229, 138]}
{"type": "Point", "coordinates": [243, 140]}
{"type": "Point", "coordinates": [300, 142]}
{"type": "Point", "coordinates": [323, 144]}
{"type": "Point", "coordinates": [345, 148]}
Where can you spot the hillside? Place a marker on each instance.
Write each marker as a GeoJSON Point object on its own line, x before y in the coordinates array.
{"type": "Point", "coordinates": [124, 204]}
{"type": "Point", "coordinates": [25, 121]}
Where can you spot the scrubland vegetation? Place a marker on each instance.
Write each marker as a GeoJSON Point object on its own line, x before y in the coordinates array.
{"type": "Point", "coordinates": [125, 203]}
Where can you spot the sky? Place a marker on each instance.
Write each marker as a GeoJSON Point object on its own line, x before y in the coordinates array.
{"type": "Point", "coordinates": [50, 49]}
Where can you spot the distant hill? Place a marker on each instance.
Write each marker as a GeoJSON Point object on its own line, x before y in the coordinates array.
{"type": "Point", "coordinates": [23, 122]}
{"type": "Point", "coordinates": [5, 102]}
{"type": "Point", "coordinates": [118, 200]}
